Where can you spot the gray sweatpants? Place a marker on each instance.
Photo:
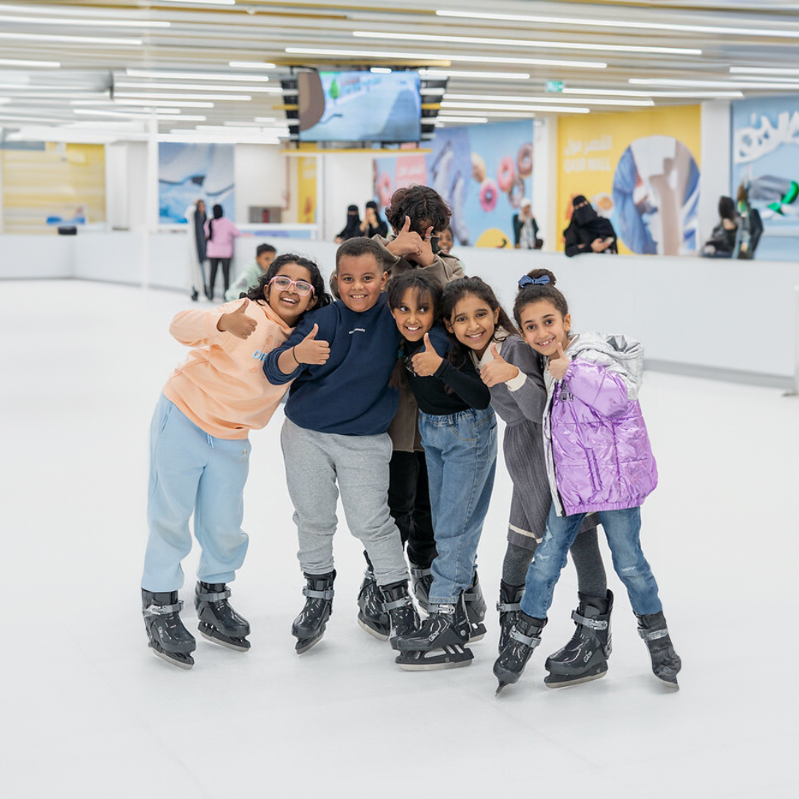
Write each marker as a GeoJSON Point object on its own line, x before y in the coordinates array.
{"type": "Point", "coordinates": [315, 462]}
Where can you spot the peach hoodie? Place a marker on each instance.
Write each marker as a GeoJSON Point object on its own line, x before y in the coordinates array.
{"type": "Point", "coordinates": [221, 387]}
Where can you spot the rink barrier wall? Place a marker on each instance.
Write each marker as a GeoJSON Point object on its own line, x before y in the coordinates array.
{"type": "Point", "coordinates": [719, 319]}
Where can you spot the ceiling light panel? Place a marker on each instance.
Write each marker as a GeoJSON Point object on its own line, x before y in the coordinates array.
{"type": "Point", "coordinates": [167, 75]}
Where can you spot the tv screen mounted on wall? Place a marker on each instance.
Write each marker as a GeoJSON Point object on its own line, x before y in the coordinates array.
{"type": "Point", "coordinates": [359, 107]}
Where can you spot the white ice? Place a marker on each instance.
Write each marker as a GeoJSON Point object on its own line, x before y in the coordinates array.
{"type": "Point", "coordinates": [87, 711]}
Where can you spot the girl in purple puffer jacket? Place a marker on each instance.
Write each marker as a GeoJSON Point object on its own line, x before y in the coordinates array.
{"type": "Point", "coordinates": [598, 459]}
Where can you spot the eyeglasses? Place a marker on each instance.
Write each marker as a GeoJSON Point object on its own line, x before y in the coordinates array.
{"type": "Point", "coordinates": [302, 287]}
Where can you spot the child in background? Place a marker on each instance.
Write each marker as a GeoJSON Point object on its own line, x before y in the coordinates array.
{"type": "Point", "coordinates": [445, 242]}
{"type": "Point", "coordinates": [512, 371]}
{"type": "Point", "coordinates": [199, 453]}
{"type": "Point", "coordinates": [334, 437]}
{"type": "Point", "coordinates": [598, 459]}
{"type": "Point", "coordinates": [264, 255]}
{"type": "Point", "coordinates": [459, 435]}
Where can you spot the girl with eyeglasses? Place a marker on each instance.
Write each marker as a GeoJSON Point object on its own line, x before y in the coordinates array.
{"type": "Point", "coordinates": [199, 452]}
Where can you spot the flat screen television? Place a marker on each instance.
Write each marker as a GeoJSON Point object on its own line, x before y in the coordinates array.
{"type": "Point", "coordinates": [359, 107]}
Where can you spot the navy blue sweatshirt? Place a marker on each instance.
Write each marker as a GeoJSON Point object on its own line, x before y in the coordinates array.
{"type": "Point", "coordinates": [349, 394]}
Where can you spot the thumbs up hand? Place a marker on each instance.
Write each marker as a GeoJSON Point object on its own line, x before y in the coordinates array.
{"type": "Point", "coordinates": [407, 243]}
{"type": "Point", "coordinates": [427, 361]}
{"type": "Point", "coordinates": [558, 364]}
{"type": "Point", "coordinates": [498, 370]}
{"type": "Point", "coordinates": [311, 350]}
{"type": "Point", "coordinates": [237, 323]}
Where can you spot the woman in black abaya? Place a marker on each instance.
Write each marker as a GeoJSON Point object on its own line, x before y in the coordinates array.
{"type": "Point", "coordinates": [587, 231]}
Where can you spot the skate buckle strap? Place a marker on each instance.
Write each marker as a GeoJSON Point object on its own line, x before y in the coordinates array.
{"type": "Point", "coordinates": [652, 635]}
{"type": "Point", "coordinates": [593, 624]}
{"type": "Point", "coordinates": [530, 640]}
{"type": "Point", "coordinates": [402, 602]}
{"type": "Point", "coordinates": [328, 593]}
{"type": "Point", "coordinates": [508, 607]}
{"type": "Point", "coordinates": [163, 610]}
{"type": "Point", "coordinates": [215, 596]}
{"type": "Point", "coordinates": [417, 571]}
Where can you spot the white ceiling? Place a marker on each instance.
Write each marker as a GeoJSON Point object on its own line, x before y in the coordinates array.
{"type": "Point", "coordinates": [181, 36]}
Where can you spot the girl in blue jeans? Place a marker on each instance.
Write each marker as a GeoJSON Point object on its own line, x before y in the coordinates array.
{"type": "Point", "coordinates": [459, 435]}
{"type": "Point", "coordinates": [598, 459]}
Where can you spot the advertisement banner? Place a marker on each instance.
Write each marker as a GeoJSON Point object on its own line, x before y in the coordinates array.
{"type": "Point", "coordinates": [640, 170]}
{"type": "Point", "coordinates": [482, 171]}
{"type": "Point", "coordinates": [191, 172]}
{"type": "Point", "coordinates": [306, 189]}
{"type": "Point", "coordinates": [765, 161]}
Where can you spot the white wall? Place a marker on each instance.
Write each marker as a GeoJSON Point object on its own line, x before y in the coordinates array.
{"type": "Point", "coordinates": [261, 175]}
{"type": "Point", "coordinates": [714, 163]}
{"type": "Point", "coordinates": [545, 179]}
{"type": "Point", "coordinates": [347, 179]}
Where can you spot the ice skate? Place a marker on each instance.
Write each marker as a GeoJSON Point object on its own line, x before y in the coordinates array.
{"type": "Point", "coordinates": [371, 614]}
{"type": "Point", "coordinates": [509, 607]}
{"type": "Point", "coordinates": [421, 580]}
{"type": "Point", "coordinates": [219, 623]}
{"type": "Point", "coordinates": [440, 643]}
{"type": "Point", "coordinates": [523, 639]}
{"type": "Point", "coordinates": [475, 609]}
{"type": "Point", "coordinates": [585, 657]}
{"type": "Point", "coordinates": [169, 639]}
{"type": "Point", "coordinates": [309, 627]}
{"type": "Point", "coordinates": [403, 617]}
{"type": "Point", "coordinates": [666, 663]}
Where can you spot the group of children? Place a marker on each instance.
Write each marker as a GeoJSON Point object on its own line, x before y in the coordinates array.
{"type": "Point", "coordinates": [392, 393]}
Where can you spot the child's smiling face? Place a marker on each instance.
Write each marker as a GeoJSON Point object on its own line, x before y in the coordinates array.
{"type": "Point", "coordinates": [473, 323]}
{"type": "Point", "coordinates": [414, 315]}
{"type": "Point", "coordinates": [360, 279]}
{"type": "Point", "coordinates": [288, 303]}
{"type": "Point", "coordinates": [543, 327]}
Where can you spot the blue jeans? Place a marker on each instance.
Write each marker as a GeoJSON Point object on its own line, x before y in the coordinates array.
{"type": "Point", "coordinates": [192, 471]}
{"type": "Point", "coordinates": [461, 453]}
{"type": "Point", "coordinates": [622, 528]}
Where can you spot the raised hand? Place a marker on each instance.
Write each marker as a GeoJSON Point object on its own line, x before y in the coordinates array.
{"type": "Point", "coordinates": [311, 350]}
{"type": "Point", "coordinates": [497, 371]}
{"type": "Point", "coordinates": [407, 242]}
{"type": "Point", "coordinates": [427, 361]}
{"type": "Point", "coordinates": [598, 245]}
{"type": "Point", "coordinates": [237, 323]}
{"type": "Point", "coordinates": [559, 364]}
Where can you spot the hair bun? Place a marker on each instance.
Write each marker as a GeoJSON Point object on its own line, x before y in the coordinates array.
{"type": "Point", "coordinates": [536, 273]}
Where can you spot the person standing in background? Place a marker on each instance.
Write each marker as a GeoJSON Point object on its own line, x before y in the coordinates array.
{"type": "Point", "coordinates": [588, 231]}
{"type": "Point", "coordinates": [525, 228]}
{"type": "Point", "coordinates": [195, 217]}
{"type": "Point", "coordinates": [220, 233]}
{"type": "Point", "coordinates": [353, 227]}
{"type": "Point", "coordinates": [372, 224]}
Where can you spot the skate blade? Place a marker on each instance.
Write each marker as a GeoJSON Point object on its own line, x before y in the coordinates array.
{"type": "Point", "coordinates": [227, 643]}
{"type": "Point", "coordinates": [671, 684]}
{"type": "Point", "coordinates": [450, 657]}
{"type": "Point", "coordinates": [181, 664]}
{"type": "Point", "coordinates": [371, 631]}
{"type": "Point", "coordinates": [562, 681]}
{"type": "Point", "coordinates": [305, 644]}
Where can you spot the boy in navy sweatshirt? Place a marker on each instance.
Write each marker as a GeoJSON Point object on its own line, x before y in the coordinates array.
{"type": "Point", "coordinates": [340, 359]}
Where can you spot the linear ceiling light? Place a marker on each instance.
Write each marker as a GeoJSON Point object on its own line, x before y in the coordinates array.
{"type": "Point", "coordinates": [608, 23]}
{"type": "Point", "coordinates": [251, 65]}
{"type": "Point", "coordinates": [142, 103]}
{"type": "Point", "coordinates": [721, 84]}
{"type": "Point", "coordinates": [639, 93]}
{"type": "Point", "coordinates": [621, 48]}
{"type": "Point", "coordinates": [461, 120]}
{"type": "Point", "coordinates": [132, 115]}
{"type": "Point", "coordinates": [547, 99]}
{"type": "Point", "coordinates": [763, 71]}
{"type": "Point", "coordinates": [513, 107]}
{"type": "Point", "coordinates": [162, 96]}
{"type": "Point", "coordinates": [22, 62]}
{"type": "Point", "coordinates": [52, 37]}
{"type": "Point", "coordinates": [166, 75]}
{"type": "Point", "coordinates": [203, 87]}
{"type": "Point", "coordinates": [107, 23]}
{"type": "Point", "coordinates": [546, 62]}
{"type": "Point", "coordinates": [454, 73]}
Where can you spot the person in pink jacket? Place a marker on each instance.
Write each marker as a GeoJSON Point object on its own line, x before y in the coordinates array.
{"type": "Point", "coordinates": [199, 452]}
{"type": "Point", "coordinates": [219, 234]}
{"type": "Point", "coordinates": [598, 459]}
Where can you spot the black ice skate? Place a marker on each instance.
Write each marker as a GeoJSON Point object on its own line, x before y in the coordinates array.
{"type": "Point", "coordinates": [585, 657]}
{"type": "Point", "coordinates": [475, 609]}
{"type": "Point", "coordinates": [421, 579]}
{"type": "Point", "coordinates": [309, 626]}
{"type": "Point", "coordinates": [509, 607]}
{"type": "Point", "coordinates": [523, 639]}
{"type": "Point", "coordinates": [371, 613]}
{"type": "Point", "coordinates": [169, 639]}
{"type": "Point", "coordinates": [441, 641]}
{"type": "Point", "coordinates": [219, 623]}
{"type": "Point", "coordinates": [404, 619]}
{"type": "Point", "coordinates": [666, 663]}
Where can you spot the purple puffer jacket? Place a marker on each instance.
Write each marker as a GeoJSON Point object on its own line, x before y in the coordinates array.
{"type": "Point", "coordinates": [597, 449]}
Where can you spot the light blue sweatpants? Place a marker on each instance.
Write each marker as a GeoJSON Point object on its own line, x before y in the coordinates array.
{"type": "Point", "coordinates": [193, 471]}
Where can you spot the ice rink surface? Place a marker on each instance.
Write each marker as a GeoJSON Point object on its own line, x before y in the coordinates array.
{"type": "Point", "coordinates": [87, 711]}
